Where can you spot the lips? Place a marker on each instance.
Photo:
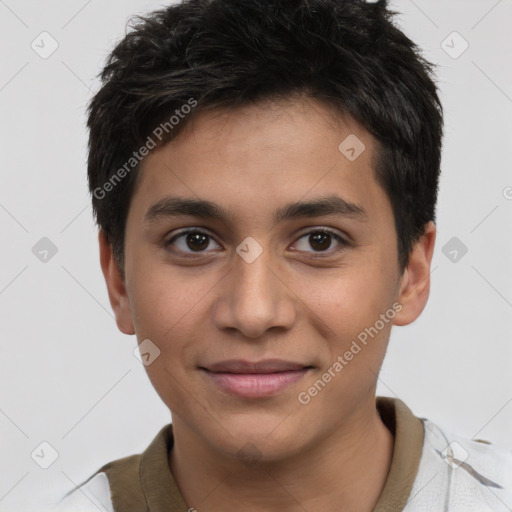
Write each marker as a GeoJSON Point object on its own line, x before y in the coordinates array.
{"type": "Point", "coordinates": [265, 366]}
{"type": "Point", "coordinates": [254, 379]}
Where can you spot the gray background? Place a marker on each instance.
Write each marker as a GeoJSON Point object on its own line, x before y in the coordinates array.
{"type": "Point", "coordinates": [69, 378]}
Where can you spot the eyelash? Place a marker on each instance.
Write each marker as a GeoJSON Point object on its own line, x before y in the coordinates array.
{"type": "Point", "coordinates": [318, 254]}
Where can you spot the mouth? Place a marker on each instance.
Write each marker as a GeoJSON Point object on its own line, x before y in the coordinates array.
{"type": "Point", "coordinates": [255, 379]}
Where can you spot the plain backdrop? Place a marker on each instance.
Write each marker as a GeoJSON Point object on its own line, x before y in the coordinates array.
{"type": "Point", "coordinates": [70, 380]}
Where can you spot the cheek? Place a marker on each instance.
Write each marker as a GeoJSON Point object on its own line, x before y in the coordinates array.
{"type": "Point", "coordinates": [160, 315]}
{"type": "Point", "coordinates": [348, 300]}
{"type": "Point", "coordinates": [165, 308]}
{"type": "Point", "coordinates": [347, 308]}
{"type": "Point", "coordinates": [164, 300]}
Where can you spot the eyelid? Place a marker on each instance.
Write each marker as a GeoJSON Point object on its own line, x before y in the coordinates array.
{"type": "Point", "coordinates": [324, 229]}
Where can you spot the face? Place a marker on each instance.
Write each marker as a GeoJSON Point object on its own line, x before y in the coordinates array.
{"type": "Point", "coordinates": [293, 257]}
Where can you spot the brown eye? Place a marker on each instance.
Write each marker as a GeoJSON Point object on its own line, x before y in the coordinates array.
{"type": "Point", "coordinates": [196, 241]}
{"type": "Point", "coordinates": [191, 241]}
{"type": "Point", "coordinates": [321, 241]}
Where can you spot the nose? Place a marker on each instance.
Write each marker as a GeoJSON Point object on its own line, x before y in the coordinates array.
{"type": "Point", "coordinates": [254, 297]}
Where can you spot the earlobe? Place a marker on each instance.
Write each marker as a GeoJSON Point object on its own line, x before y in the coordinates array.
{"type": "Point", "coordinates": [115, 286]}
{"type": "Point", "coordinates": [415, 282]}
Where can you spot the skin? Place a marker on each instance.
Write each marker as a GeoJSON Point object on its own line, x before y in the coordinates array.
{"type": "Point", "coordinates": [333, 453]}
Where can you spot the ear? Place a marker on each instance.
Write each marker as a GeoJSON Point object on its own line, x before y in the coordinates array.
{"type": "Point", "coordinates": [115, 286]}
{"type": "Point", "coordinates": [415, 281]}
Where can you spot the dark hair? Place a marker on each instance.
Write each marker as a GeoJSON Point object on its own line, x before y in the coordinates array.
{"type": "Point", "coordinates": [206, 54]}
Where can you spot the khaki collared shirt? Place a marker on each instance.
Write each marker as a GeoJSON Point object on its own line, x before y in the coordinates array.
{"type": "Point", "coordinates": [431, 470]}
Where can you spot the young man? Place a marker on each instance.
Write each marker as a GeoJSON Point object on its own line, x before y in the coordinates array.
{"type": "Point", "coordinates": [264, 176]}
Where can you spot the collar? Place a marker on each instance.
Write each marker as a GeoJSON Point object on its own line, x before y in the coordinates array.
{"type": "Point", "coordinates": [162, 494]}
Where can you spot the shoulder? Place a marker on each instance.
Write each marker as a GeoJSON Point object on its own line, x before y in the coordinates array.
{"type": "Point", "coordinates": [96, 492]}
{"type": "Point", "coordinates": [92, 496]}
{"type": "Point", "coordinates": [117, 485]}
{"type": "Point", "coordinates": [461, 474]}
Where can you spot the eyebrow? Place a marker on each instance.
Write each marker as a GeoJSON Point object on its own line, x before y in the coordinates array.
{"type": "Point", "coordinates": [170, 207]}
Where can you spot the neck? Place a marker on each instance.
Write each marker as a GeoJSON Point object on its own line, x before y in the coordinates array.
{"type": "Point", "coordinates": [344, 471]}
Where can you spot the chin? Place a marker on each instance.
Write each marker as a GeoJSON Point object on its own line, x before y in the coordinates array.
{"type": "Point", "coordinates": [253, 439]}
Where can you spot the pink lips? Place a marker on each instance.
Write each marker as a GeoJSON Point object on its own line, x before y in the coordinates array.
{"type": "Point", "coordinates": [255, 379]}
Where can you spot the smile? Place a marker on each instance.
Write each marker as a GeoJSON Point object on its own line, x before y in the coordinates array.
{"type": "Point", "coordinates": [255, 385]}
{"type": "Point", "coordinates": [254, 379]}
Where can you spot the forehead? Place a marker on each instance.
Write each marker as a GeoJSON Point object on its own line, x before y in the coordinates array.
{"type": "Point", "coordinates": [248, 158]}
